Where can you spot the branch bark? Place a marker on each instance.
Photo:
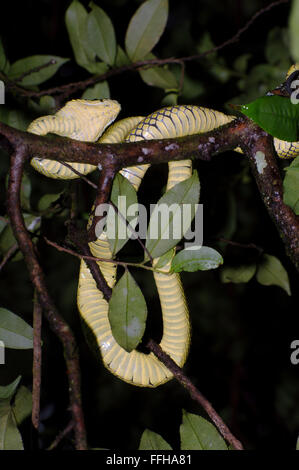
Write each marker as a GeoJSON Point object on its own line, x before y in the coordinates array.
{"type": "Point", "coordinates": [255, 143]}
{"type": "Point", "coordinates": [37, 361]}
{"type": "Point", "coordinates": [194, 393]}
{"type": "Point", "coordinates": [57, 324]}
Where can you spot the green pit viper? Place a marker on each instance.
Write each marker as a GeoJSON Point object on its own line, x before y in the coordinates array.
{"type": "Point", "coordinates": [86, 121]}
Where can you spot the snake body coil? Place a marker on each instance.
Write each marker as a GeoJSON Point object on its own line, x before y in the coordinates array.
{"type": "Point", "coordinates": [87, 120]}
{"type": "Point", "coordinates": [80, 120]}
{"type": "Point", "coordinates": [136, 367]}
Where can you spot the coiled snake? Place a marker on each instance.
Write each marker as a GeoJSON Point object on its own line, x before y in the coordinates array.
{"type": "Point", "coordinates": [87, 120]}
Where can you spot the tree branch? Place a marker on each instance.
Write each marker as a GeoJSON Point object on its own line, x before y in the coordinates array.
{"type": "Point", "coordinates": [259, 150]}
{"type": "Point", "coordinates": [8, 255]}
{"type": "Point", "coordinates": [71, 88]}
{"type": "Point", "coordinates": [103, 193]}
{"type": "Point", "coordinates": [57, 323]}
{"type": "Point", "coordinates": [61, 435]}
{"type": "Point", "coordinates": [37, 361]}
{"type": "Point", "coordinates": [256, 144]}
{"type": "Point", "coordinates": [194, 393]}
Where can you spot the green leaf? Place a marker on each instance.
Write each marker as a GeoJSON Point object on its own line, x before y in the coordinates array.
{"type": "Point", "coordinates": [15, 332]}
{"type": "Point", "coordinates": [123, 195]}
{"type": "Point", "coordinates": [237, 274]}
{"type": "Point", "coordinates": [192, 88]}
{"type": "Point", "coordinates": [7, 239]}
{"type": "Point", "coordinates": [7, 391]}
{"type": "Point", "coordinates": [14, 118]}
{"type": "Point", "coordinates": [3, 224]}
{"type": "Point", "coordinates": [159, 76]}
{"type": "Point", "coordinates": [164, 259]}
{"type": "Point", "coordinates": [220, 71]}
{"type": "Point", "coordinates": [202, 259]}
{"type": "Point", "coordinates": [121, 58]}
{"type": "Point", "coordinates": [152, 441]}
{"type": "Point", "coordinates": [206, 44]}
{"type": "Point", "coordinates": [145, 28]}
{"type": "Point", "coordinates": [25, 192]}
{"type": "Point", "coordinates": [32, 222]}
{"type": "Point", "coordinates": [259, 80]}
{"type": "Point", "coordinates": [291, 186]}
{"type": "Point", "coordinates": [97, 92]}
{"type": "Point", "coordinates": [101, 34]}
{"type": "Point", "coordinates": [22, 66]}
{"type": "Point", "coordinates": [241, 63]}
{"type": "Point", "coordinates": [76, 22]}
{"type": "Point", "coordinates": [171, 99]}
{"type": "Point", "coordinates": [293, 30]}
{"type": "Point", "coordinates": [47, 200]}
{"type": "Point", "coordinates": [198, 434]}
{"type": "Point", "coordinates": [10, 438]}
{"type": "Point", "coordinates": [4, 114]}
{"type": "Point", "coordinates": [46, 105]}
{"type": "Point", "coordinates": [3, 60]}
{"type": "Point", "coordinates": [276, 115]}
{"type": "Point", "coordinates": [127, 312]}
{"type": "Point", "coordinates": [18, 119]}
{"type": "Point", "coordinates": [272, 273]}
{"type": "Point", "coordinates": [167, 223]}
{"type": "Point", "coordinates": [275, 50]}
{"type": "Point", "coordinates": [22, 405]}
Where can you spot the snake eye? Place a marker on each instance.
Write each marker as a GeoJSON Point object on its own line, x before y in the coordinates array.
{"type": "Point", "coordinates": [292, 83]}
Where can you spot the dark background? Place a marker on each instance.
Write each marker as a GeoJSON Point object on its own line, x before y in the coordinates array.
{"type": "Point", "coordinates": [240, 350]}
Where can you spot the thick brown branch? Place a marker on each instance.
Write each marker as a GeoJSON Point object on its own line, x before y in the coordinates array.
{"type": "Point", "coordinates": [37, 362]}
{"type": "Point", "coordinates": [103, 195]}
{"type": "Point", "coordinates": [57, 324]}
{"type": "Point", "coordinates": [258, 146]}
{"type": "Point", "coordinates": [194, 392]}
{"type": "Point", "coordinates": [113, 157]}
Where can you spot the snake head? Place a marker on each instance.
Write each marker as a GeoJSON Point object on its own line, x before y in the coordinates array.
{"type": "Point", "coordinates": [91, 117]}
{"type": "Point", "coordinates": [290, 84]}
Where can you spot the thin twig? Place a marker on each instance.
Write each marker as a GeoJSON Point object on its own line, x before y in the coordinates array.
{"type": "Point", "coordinates": [33, 70]}
{"type": "Point", "coordinates": [136, 237]}
{"type": "Point", "coordinates": [80, 175]}
{"type": "Point", "coordinates": [61, 435]}
{"type": "Point", "coordinates": [238, 34]}
{"type": "Point", "coordinates": [8, 255]}
{"type": "Point", "coordinates": [117, 211]}
{"type": "Point", "coordinates": [105, 260]}
{"type": "Point", "coordinates": [194, 393]}
{"type": "Point", "coordinates": [249, 246]}
{"type": "Point", "coordinates": [71, 88]}
{"type": "Point", "coordinates": [37, 361]}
